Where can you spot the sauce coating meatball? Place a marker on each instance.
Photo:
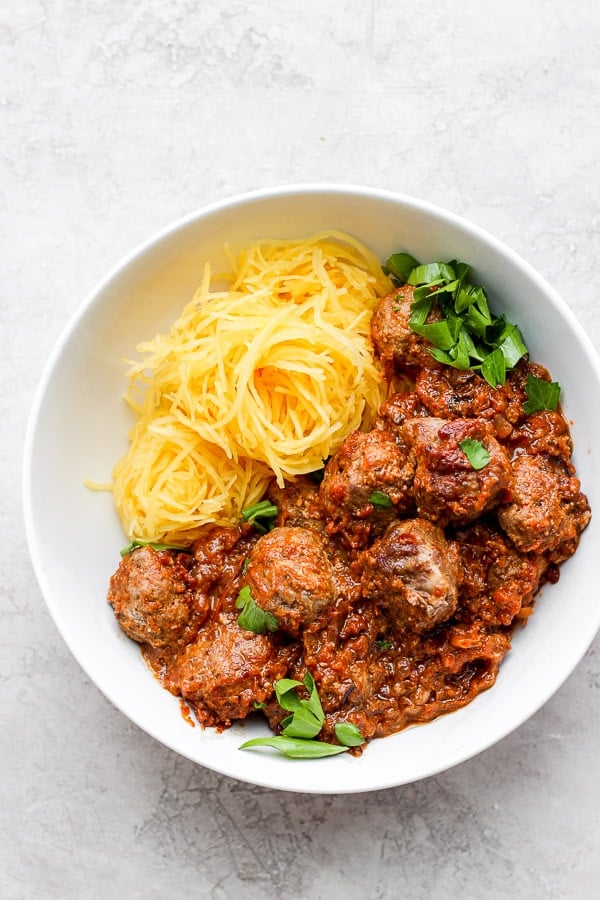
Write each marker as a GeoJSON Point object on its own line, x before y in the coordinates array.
{"type": "Point", "coordinates": [396, 344]}
{"type": "Point", "coordinates": [411, 572]}
{"type": "Point", "coordinates": [364, 464]}
{"type": "Point", "coordinates": [547, 511]}
{"type": "Point", "coordinates": [289, 574]}
{"type": "Point", "coordinates": [226, 670]}
{"type": "Point", "coordinates": [447, 489]}
{"type": "Point", "coordinates": [153, 596]}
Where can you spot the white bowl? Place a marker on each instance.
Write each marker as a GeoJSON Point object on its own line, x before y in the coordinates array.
{"type": "Point", "coordinates": [78, 429]}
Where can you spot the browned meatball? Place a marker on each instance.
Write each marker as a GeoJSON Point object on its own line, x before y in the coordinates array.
{"type": "Point", "coordinates": [366, 466]}
{"type": "Point", "coordinates": [457, 394]}
{"type": "Point", "coordinates": [153, 596]}
{"type": "Point", "coordinates": [547, 510]}
{"type": "Point", "coordinates": [298, 503]}
{"type": "Point", "coordinates": [226, 670]}
{"type": "Point", "coordinates": [290, 576]}
{"type": "Point", "coordinates": [396, 344]}
{"type": "Point", "coordinates": [542, 432]}
{"type": "Point", "coordinates": [446, 487]}
{"type": "Point", "coordinates": [411, 572]}
{"type": "Point", "coordinates": [497, 581]}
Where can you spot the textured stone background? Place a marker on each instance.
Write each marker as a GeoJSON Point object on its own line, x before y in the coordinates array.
{"type": "Point", "coordinates": [117, 118]}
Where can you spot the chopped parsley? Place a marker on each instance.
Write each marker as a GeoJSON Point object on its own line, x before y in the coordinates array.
{"type": "Point", "coordinates": [380, 500]}
{"type": "Point", "coordinates": [475, 452]}
{"type": "Point", "coordinates": [468, 336]}
{"type": "Point", "coordinates": [540, 394]}
{"type": "Point", "coordinates": [261, 515]}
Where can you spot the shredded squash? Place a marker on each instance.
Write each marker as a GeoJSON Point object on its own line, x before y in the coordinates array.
{"type": "Point", "coordinates": [264, 379]}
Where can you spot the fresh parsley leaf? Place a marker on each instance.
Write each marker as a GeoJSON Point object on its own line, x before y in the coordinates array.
{"type": "Point", "coordinates": [493, 368]}
{"type": "Point", "coordinates": [295, 748]}
{"type": "Point", "coordinates": [400, 265]}
{"type": "Point", "coordinates": [431, 272]}
{"type": "Point", "coordinates": [133, 545]}
{"type": "Point", "coordinates": [261, 515]}
{"type": "Point", "coordinates": [380, 500]}
{"type": "Point", "coordinates": [348, 734]}
{"type": "Point", "coordinates": [468, 336]}
{"type": "Point", "coordinates": [475, 452]}
{"type": "Point", "coordinates": [252, 617]}
{"type": "Point", "coordinates": [541, 394]}
{"type": "Point", "coordinates": [384, 645]}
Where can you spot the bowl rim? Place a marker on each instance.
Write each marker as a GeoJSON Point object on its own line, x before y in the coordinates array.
{"type": "Point", "coordinates": [551, 686]}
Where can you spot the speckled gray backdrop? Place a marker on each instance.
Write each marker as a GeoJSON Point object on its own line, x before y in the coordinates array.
{"type": "Point", "coordinates": [116, 118]}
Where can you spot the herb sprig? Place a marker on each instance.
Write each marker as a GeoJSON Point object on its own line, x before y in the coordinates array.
{"type": "Point", "coordinates": [468, 336]}
{"type": "Point", "coordinates": [304, 722]}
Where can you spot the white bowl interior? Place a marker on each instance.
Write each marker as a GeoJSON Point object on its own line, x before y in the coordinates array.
{"type": "Point", "coordinates": [78, 429]}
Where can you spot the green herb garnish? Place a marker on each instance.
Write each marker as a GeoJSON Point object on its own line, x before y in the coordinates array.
{"type": "Point", "coordinates": [468, 336]}
{"type": "Point", "coordinates": [348, 734]}
{"type": "Point", "coordinates": [295, 748]}
{"type": "Point", "coordinates": [540, 394]}
{"type": "Point", "coordinates": [380, 500]}
{"type": "Point", "coordinates": [306, 716]}
{"type": "Point", "coordinates": [399, 266]}
{"type": "Point", "coordinates": [261, 515]}
{"type": "Point", "coordinates": [475, 452]}
{"type": "Point", "coordinates": [383, 645]}
{"type": "Point", "coordinates": [252, 617]}
{"type": "Point", "coordinates": [304, 723]}
{"type": "Point", "coordinates": [133, 545]}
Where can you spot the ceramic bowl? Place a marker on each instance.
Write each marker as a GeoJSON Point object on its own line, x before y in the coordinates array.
{"type": "Point", "coordinates": [78, 429]}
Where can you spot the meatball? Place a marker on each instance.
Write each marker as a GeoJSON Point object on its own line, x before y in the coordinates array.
{"type": "Point", "coordinates": [411, 572]}
{"type": "Point", "coordinates": [396, 344]}
{"type": "Point", "coordinates": [226, 670]}
{"type": "Point", "coordinates": [365, 466]}
{"type": "Point", "coordinates": [546, 511]}
{"type": "Point", "coordinates": [298, 503]}
{"type": "Point", "coordinates": [289, 574]}
{"type": "Point", "coordinates": [153, 596]}
{"type": "Point", "coordinates": [447, 488]}
{"type": "Point", "coordinates": [497, 581]}
{"type": "Point", "coordinates": [542, 432]}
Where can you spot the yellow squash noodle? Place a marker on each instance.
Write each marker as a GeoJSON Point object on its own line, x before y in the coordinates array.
{"type": "Point", "coordinates": [264, 379]}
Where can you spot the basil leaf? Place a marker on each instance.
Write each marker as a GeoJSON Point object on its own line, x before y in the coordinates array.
{"type": "Point", "coordinates": [475, 452]}
{"type": "Point", "coordinates": [313, 703]}
{"type": "Point", "coordinates": [295, 748]}
{"type": "Point", "coordinates": [301, 724]}
{"type": "Point", "coordinates": [252, 617]}
{"type": "Point", "coordinates": [133, 545]}
{"type": "Point", "coordinates": [285, 691]}
{"type": "Point", "coordinates": [541, 394]}
{"type": "Point", "coordinates": [380, 500]}
{"type": "Point", "coordinates": [400, 265]}
{"type": "Point", "coordinates": [348, 734]}
{"type": "Point", "coordinates": [254, 515]}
